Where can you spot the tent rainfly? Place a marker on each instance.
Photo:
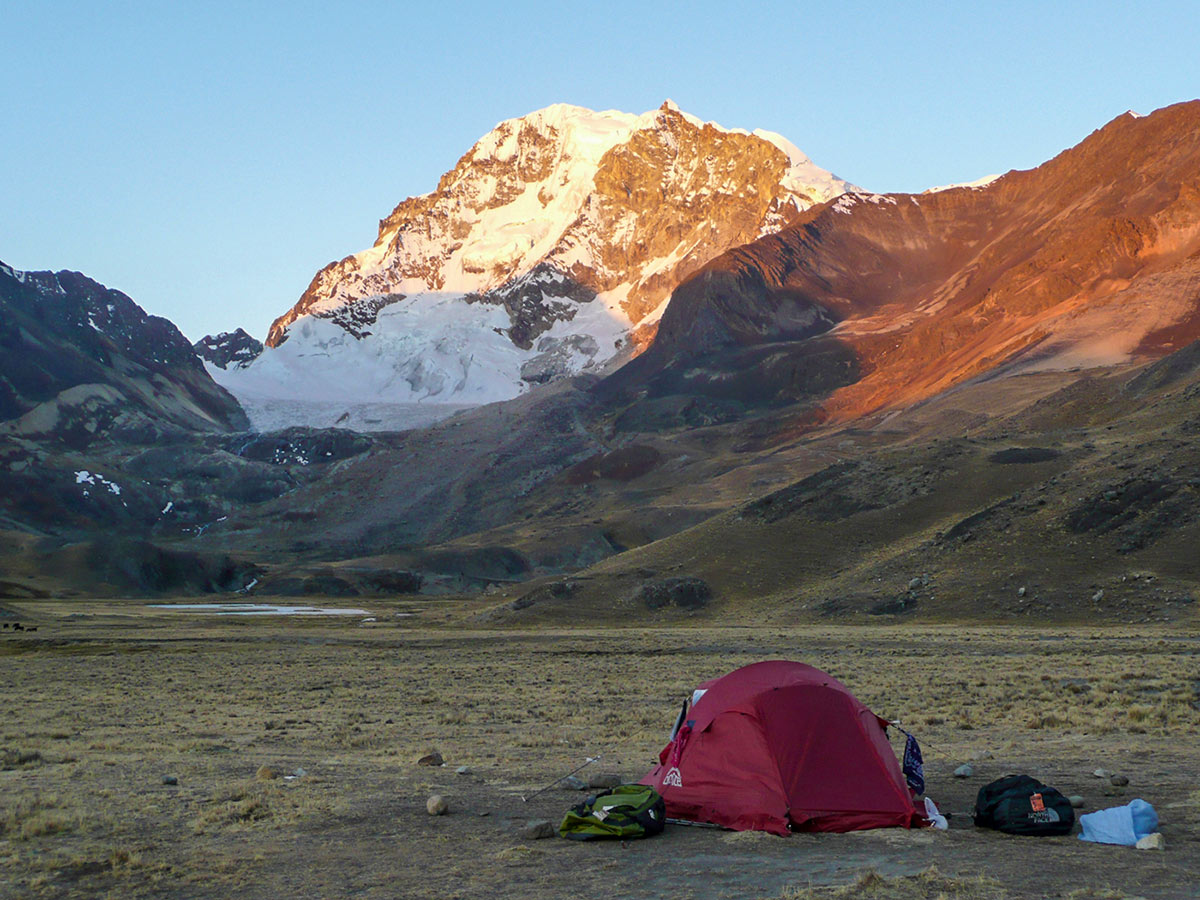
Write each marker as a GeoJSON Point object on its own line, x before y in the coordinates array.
{"type": "Point", "coordinates": [781, 746]}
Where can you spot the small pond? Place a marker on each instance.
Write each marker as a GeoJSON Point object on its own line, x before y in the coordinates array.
{"type": "Point", "coordinates": [259, 609]}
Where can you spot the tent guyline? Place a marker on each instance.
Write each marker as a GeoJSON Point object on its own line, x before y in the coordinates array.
{"type": "Point", "coordinates": [587, 762]}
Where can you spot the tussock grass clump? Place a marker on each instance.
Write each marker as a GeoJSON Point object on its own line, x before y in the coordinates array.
{"type": "Point", "coordinates": [241, 805]}
{"type": "Point", "coordinates": [18, 759]}
{"type": "Point", "coordinates": [1049, 720]}
{"type": "Point", "coordinates": [125, 858]}
{"type": "Point", "coordinates": [519, 854]}
{"type": "Point", "coordinates": [927, 885]}
{"type": "Point", "coordinates": [32, 817]}
{"type": "Point", "coordinates": [257, 802]}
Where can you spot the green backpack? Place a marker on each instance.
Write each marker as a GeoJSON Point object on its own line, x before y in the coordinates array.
{"type": "Point", "coordinates": [626, 811]}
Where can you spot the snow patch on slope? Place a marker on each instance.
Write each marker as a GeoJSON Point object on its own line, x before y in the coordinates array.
{"type": "Point", "coordinates": [977, 183]}
{"type": "Point", "coordinates": [805, 177]}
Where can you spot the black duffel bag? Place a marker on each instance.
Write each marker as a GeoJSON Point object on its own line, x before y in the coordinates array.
{"type": "Point", "coordinates": [1018, 804]}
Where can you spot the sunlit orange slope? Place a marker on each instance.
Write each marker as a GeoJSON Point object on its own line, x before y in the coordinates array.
{"type": "Point", "coordinates": [877, 301]}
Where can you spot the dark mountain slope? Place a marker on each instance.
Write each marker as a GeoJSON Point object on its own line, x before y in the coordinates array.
{"type": "Point", "coordinates": [79, 358]}
{"type": "Point", "coordinates": [1048, 496]}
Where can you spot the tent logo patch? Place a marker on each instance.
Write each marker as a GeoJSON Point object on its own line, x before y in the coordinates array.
{"type": "Point", "coordinates": [672, 778]}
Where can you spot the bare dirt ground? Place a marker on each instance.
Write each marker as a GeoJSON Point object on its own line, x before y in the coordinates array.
{"type": "Point", "coordinates": [107, 698]}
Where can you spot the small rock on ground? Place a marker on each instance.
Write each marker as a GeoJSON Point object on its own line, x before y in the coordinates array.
{"type": "Point", "coordinates": [964, 771]}
{"type": "Point", "coordinates": [463, 770]}
{"type": "Point", "coordinates": [436, 805]}
{"type": "Point", "coordinates": [537, 830]}
{"type": "Point", "coordinates": [266, 773]}
{"type": "Point", "coordinates": [431, 759]}
{"type": "Point", "coordinates": [1118, 781]}
{"type": "Point", "coordinates": [1152, 842]}
{"type": "Point", "coordinates": [1101, 773]}
{"type": "Point", "coordinates": [605, 780]}
{"type": "Point", "coordinates": [571, 783]}
{"type": "Point", "coordinates": [1076, 801]}
{"type": "Point", "coordinates": [170, 779]}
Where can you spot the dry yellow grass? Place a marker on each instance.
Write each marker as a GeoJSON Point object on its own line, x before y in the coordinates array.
{"type": "Point", "coordinates": [109, 706]}
{"type": "Point", "coordinates": [927, 885]}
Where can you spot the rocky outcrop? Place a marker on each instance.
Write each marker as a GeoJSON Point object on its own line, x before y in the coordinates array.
{"type": "Point", "coordinates": [143, 568]}
{"type": "Point", "coordinates": [685, 592]}
{"type": "Point", "coordinates": [229, 349]}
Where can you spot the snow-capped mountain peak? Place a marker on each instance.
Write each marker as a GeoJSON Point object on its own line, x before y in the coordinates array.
{"type": "Point", "coordinates": [551, 245]}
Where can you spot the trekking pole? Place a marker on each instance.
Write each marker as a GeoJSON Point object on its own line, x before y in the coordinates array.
{"type": "Point", "coordinates": [590, 760]}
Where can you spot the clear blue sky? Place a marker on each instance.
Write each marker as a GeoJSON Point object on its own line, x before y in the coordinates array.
{"type": "Point", "coordinates": [208, 158]}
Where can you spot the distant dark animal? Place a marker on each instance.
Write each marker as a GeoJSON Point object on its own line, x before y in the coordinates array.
{"type": "Point", "coordinates": [31, 628]}
{"type": "Point", "coordinates": [17, 626]}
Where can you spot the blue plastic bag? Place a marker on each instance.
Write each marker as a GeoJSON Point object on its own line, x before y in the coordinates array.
{"type": "Point", "coordinates": [1124, 825]}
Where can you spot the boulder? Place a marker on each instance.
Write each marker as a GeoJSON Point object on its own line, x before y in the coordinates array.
{"type": "Point", "coordinates": [1153, 841]}
{"type": "Point", "coordinates": [436, 805]}
{"type": "Point", "coordinates": [538, 830]}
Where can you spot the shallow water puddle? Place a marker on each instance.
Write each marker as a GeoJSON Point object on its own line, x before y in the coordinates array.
{"type": "Point", "coordinates": [259, 609]}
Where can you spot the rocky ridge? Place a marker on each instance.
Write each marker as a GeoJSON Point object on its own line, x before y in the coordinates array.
{"type": "Point", "coordinates": [80, 360]}
{"type": "Point", "coordinates": [229, 349]}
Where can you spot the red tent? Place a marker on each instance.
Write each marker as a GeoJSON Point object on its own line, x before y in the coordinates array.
{"type": "Point", "coordinates": [778, 746]}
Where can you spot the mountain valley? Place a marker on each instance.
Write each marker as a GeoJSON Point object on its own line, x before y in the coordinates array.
{"type": "Point", "coordinates": [978, 403]}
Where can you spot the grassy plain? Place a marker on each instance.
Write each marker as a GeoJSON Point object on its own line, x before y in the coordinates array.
{"type": "Point", "coordinates": [106, 698]}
